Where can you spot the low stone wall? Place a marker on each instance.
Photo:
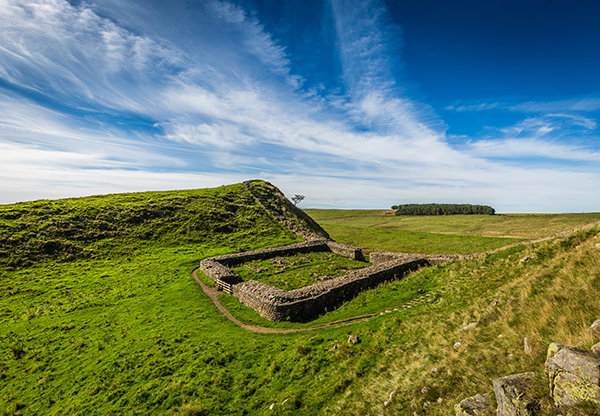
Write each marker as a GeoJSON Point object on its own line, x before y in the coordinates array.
{"type": "Point", "coordinates": [378, 257]}
{"type": "Point", "coordinates": [269, 253]}
{"type": "Point", "coordinates": [346, 250]}
{"type": "Point", "coordinates": [217, 272]}
{"type": "Point", "coordinates": [217, 268]}
{"type": "Point", "coordinates": [308, 302]}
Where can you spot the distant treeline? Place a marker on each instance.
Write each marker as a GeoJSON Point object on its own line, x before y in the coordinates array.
{"type": "Point", "coordinates": [443, 209]}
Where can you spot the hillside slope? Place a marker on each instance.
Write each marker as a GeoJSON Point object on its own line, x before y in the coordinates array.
{"type": "Point", "coordinates": [107, 320]}
{"type": "Point", "coordinates": [445, 348]}
{"type": "Point", "coordinates": [93, 227]}
{"type": "Point", "coordinates": [284, 207]}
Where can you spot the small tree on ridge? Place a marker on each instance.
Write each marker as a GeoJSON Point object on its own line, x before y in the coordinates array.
{"type": "Point", "coordinates": [297, 199]}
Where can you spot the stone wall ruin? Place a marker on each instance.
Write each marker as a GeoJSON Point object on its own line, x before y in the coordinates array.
{"type": "Point", "coordinates": [308, 302]}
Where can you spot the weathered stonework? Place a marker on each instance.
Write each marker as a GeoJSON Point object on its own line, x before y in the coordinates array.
{"type": "Point", "coordinates": [346, 250]}
{"type": "Point", "coordinates": [269, 253]}
{"type": "Point", "coordinates": [478, 405]}
{"type": "Point", "coordinates": [512, 394]}
{"type": "Point", "coordinates": [305, 303]}
{"type": "Point", "coordinates": [218, 272]}
{"type": "Point", "coordinates": [377, 257]}
{"type": "Point", "coordinates": [574, 375]}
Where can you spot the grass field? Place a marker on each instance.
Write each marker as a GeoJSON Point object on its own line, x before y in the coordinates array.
{"type": "Point", "coordinates": [294, 272]}
{"type": "Point", "coordinates": [494, 302]}
{"type": "Point", "coordinates": [100, 316]}
{"type": "Point", "coordinates": [453, 234]}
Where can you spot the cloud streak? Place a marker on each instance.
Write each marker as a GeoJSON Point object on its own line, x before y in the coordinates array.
{"type": "Point", "coordinates": [588, 104]}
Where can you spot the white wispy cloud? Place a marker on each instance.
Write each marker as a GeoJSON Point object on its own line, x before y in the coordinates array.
{"type": "Point", "coordinates": [27, 126]}
{"type": "Point", "coordinates": [550, 137]}
{"type": "Point", "coordinates": [532, 147]}
{"type": "Point", "coordinates": [72, 54]}
{"type": "Point", "coordinates": [47, 174]}
{"type": "Point", "coordinates": [579, 105]}
{"type": "Point", "coordinates": [227, 106]}
{"type": "Point", "coordinates": [256, 41]}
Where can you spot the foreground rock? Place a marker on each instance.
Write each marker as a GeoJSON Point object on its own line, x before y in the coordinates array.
{"type": "Point", "coordinates": [478, 405]}
{"type": "Point", "coordinates": [574, 375]}
{"type": "Point", "coordinates": [596, 325]}
{"type": "Point", "coordinates": [353, 339]}
{"type": "Point", "coordinates": [512, 395]}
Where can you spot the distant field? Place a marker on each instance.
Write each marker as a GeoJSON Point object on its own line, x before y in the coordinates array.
{"type": "Point", "coordinates": [453, 234]}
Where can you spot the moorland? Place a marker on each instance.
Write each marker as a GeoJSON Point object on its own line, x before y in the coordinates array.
{"type": "Point", "coordinates": [100, 315]}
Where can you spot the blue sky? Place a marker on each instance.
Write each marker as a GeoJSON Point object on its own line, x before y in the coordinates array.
{"type": "Point", "coordinates": [355, 104]}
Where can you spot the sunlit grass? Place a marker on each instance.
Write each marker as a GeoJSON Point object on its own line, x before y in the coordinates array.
{"type": "Point", "coordinates": [297, 271]}
{"type": "Point", "coordinates": [453, 234]}
{"type": "Point", "coordinates": [128, 331]}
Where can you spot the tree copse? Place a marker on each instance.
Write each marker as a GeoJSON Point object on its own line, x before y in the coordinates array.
{"type": "Point", "coordinates": [443, 209]}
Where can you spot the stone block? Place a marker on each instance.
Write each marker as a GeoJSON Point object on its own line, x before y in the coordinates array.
{"type": "Point", "coordinates": [595, 326]}
{"type": "Point", "coordinates": [512, 394]}
{"type": "Point", "coordinates": [346, 250]}
{"type": "Point", "coordinates": [574, 375]}
{"type": "Point", "coordinates": [478, 405]}
{"type": "Point", "coordinates": [216, 271]}
{"type": "Point", "coordinates": [353, 339]}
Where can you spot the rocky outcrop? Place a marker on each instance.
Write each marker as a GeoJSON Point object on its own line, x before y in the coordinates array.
{"type": "Point", "coordinates": [295, 228]}
{"type": "Point", "coordinates": [512, 395]}
{"type": "Point", "coordinates": [574, 375]}
{"type": "Point", "coordinates": [478, 405]}
{"type": "Point", "coordinates": [595, 326]}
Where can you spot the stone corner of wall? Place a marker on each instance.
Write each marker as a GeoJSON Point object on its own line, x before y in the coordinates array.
{"type": "Point", "coordinates": [346, 250]}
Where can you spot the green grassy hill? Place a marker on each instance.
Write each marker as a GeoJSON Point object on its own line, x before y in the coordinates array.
{"type": "Point", "coordinates": [103, 226]}
{"type": "Point", "coordinates": [99, 315]}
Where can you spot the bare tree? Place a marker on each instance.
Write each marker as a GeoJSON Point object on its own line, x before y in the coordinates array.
{"type": "Point", "coordinates": [297, 199]}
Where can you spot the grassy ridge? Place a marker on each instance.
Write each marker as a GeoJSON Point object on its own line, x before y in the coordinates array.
{"type": "Point", "coordinates": [109, 321]}
{"type": "Point", "coordinates": [96, 227]}
{"type": "Point", "coordinates": [456, 234]}
{"type": "Point", "coordinates": [277, 200]}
